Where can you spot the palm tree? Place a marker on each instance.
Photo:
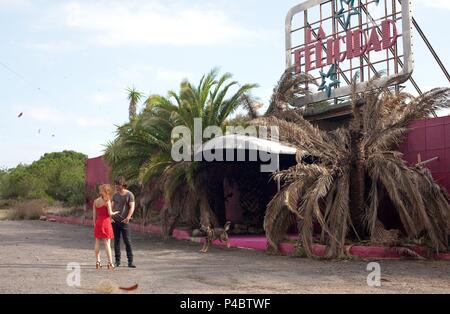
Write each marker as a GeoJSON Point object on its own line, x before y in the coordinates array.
{"type": "Point", "coordinates": [188, 185]}
{"type": "Point", "coordinates": [142, 148]}
{"type": "Point", "coordinates": [353, 168]}
{"type": "Point", "coordinates": [134, 96]}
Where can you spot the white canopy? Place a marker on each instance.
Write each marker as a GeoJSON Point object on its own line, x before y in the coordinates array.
{"type": "Point", "coordinates": [243, 142]}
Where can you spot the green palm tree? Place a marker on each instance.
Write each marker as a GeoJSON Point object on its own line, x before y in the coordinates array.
{"type": "Point", "coordinates": [142, 148]}
{"type": "Point", "coordinates": [134, 96]}
{"type": "Point", "coordinates": [185, 183]}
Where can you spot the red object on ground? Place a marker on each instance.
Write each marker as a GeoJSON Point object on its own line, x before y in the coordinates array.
{"type": "Point", "coordinates": [103, 228]}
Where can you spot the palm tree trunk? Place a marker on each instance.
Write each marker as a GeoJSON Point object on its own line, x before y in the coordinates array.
{"type": "Point", "coordinates": [357, 174]}
{"type": "Point", "coordinates": [132, 110]}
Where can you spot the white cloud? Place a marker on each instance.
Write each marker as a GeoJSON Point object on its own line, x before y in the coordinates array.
{"type": "Point", "coordinates": [15, 4]}
{"type": "Point", "coordinates": [172, 75]}
{"type": "Point", "coordinates": [90, 122]}
{"type": "Point", "coordinates": [49, 115]}
{"type": "Point", "coordinates": [133, 74]}
{"type": "Point", "coordinates": [73, 18]}
{"type": "Point", "coordinates": [55, 46]}
{"type": "Point", "coordinates": [115, 23]}
{"type": "Point", "coordinates": [45, 114]}
{"type": "Point", "coordinates": [439, 4]}
{"type": "Point", "coordinates": [100, 98]}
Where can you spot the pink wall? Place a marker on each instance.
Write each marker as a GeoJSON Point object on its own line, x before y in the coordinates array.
{"type": "Point", "coordinates": [430, 138]}
{"type": "Point", "coordinates": [97, 172]}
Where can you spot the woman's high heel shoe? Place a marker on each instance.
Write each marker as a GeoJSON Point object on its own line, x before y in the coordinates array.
{"type": "Point", "coordinates": [98, 265]}
{"type": "Point", "coordinates": [111, 266]}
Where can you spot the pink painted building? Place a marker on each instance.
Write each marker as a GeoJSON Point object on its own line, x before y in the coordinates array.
{"type": "Point", "coordinates": [430, 139]}
{"type": "Point", "coordinates": [97, 172]}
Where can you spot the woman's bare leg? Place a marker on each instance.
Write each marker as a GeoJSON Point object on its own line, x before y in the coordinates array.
{"type": "Point", "coordinates": [107, 243]}
{"type": "Point", "coordinates": [97, 250]}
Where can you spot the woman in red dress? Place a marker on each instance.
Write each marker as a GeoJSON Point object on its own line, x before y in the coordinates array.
{"type": "Point", "coordinates": [103, 231]}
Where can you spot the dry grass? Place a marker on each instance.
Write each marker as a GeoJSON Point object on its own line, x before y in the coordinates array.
{"type": "Point", "coordinates": [7, 203]}
{"type": "Point", "coordinates": [4, 214]}
{"type": "Point", "coordinates": [28, 210]}
{"type": "Point", "coordinates": [34, 209]}
{"type": "Point", "coordinates": [59, 210]}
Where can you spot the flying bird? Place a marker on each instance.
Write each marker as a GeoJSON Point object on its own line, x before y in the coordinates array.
{"type": "Point", "coordinates": [20, 115]}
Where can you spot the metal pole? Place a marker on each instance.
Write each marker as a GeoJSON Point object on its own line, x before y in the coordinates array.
{"type": "Point", "coordinates": [433, 52]}
{"type": "Point", "coordinates": [400, 62]}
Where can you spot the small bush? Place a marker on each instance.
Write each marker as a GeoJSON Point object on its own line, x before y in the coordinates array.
{"type": "Point", "coordinates": [28, 210]}
{"type": "Point", "coordinates": [8, 203]}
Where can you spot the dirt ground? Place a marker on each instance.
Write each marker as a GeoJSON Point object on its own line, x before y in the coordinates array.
{"type": "Point", "coordinates": [34, 257]}
{"type": "Point", "coordinates": [3, 214]}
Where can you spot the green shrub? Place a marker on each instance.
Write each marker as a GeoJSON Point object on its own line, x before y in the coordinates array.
{"type": "Point", "coordinates": [56, 176]}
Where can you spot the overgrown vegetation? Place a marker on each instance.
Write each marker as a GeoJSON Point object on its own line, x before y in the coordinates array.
{"type": "Point", "coordinates": [28, 210]}
{"type": "Point", "coordinates": [343, 182]}
{"type": "Point", "coordinates": [355, 168]}
{"type": "Point", "coordinates": [142, 148]}
{"type": "Point", "coordinates": [54, 177]}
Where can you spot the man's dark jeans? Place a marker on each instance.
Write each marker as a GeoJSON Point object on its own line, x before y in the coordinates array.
{"type": "Point", "coordinates": [121, 229]}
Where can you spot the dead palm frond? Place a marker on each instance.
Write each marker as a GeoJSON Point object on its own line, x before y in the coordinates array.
{"type": "Point", "coordinates": [290, 86]}
{"type": "Point", "coordinates": [251, 105]}
{"type": "Point", "coordinates": [353, 168]}
{"type": "Point", "coordinates": [306, 185]}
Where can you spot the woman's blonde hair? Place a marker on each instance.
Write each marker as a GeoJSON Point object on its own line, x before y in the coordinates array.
{"type": "Point", "coordinates": [107, 189]}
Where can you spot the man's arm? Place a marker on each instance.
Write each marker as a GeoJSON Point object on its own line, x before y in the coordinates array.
{"type": "Point", "coordinates": [130, 213]}
{"type": "Point", "coordinates": [132, 207]}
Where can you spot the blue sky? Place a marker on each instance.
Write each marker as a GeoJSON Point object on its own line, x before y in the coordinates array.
{"type": "Point", "coordinates": [66, 64]}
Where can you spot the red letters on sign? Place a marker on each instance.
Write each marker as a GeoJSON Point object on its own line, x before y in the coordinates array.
{"type": "Point", "coordinates": [357, 42]}
{"type": "Point", "coordinates": [388, 40]}
{"type": "Point", "coordinates": [374, 43]}
{"type": "Point", "coordinates": [309, 51]}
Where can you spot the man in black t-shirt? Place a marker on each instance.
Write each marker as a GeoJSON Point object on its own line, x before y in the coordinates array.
{"type": "Point", "coordinates": [124, 203]}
